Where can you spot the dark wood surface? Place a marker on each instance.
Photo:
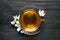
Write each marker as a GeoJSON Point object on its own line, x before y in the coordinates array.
{"type": "Point", "coordinates": [50, 29]}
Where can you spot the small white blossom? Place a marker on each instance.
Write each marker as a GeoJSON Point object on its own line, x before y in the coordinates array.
{"type": "Point", "coordinates": [41, 13]}
{"type": "Point", "coordinates": [22, 31]}
{"type": "Point", "coordinates": [17, 25]}
{"type": "Point", "coordinates": [15, 19]}
{"type": "Point", "coordinates": [17, 22]}
{"type": "Point", "coordinates": [12, 22]}
{"type": "Point", "coordinates": [18, 29]}
{"type": "Point", "coordinates": [18, 17]}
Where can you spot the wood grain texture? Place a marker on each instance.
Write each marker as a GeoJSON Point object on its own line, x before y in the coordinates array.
{"type": "Point", "coordinates": [50, 29]}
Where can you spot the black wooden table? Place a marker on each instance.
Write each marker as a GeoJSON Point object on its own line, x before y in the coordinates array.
{"type": "Point", "coordinates": [50, 29]}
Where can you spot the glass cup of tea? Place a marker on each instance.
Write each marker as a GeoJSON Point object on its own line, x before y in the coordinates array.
{"type": "Point", "coordinates": [30, 20]}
